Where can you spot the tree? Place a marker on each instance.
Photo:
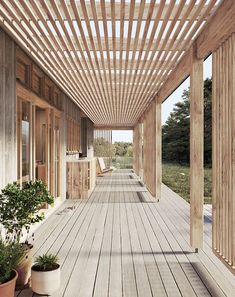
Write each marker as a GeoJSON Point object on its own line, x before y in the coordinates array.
{"type": "Point", "coordinates": [129, 152]}
{"type": "Point", "coordinates": [208, 122]}
{"type": "Point", "coordinates": [103, 148]}
{"type": "Point", "coordinates": [176, 131]}
{"type": "Point", "coordinates": [121, 148]}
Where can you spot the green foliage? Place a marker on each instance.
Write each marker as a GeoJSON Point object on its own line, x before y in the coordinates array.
{"type": "Point", "coordinates": [46, 262]}
{"type": "Point", "coordinates": [208, 122]}
{"type": "Point", "coordinates": [176, 177]}
{"type": "Point", "coordinates": [129, 152]}
{"type": "Point", "coordinates": [175, 132]}
{"type": "Point", "coordinates": [123, 148]}
{"type": "Point", "coordinates": [19, 207]}
{"type": "Point", "coordinates": [11, 255]}
{"type": "Point", "coordinates": [103, 148]}
{"type": "Point", "coordinates": [122, 162]}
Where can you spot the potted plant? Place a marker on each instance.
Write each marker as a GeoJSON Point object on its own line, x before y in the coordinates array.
{"type": "Point", "coordinates": [45, 275]}
{"type": "Point", "coordinates": [10, 256]}
{"type": "Point", "coordinates": [19, 210]}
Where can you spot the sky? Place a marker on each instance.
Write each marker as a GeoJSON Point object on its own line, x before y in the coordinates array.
{"type": "Point", "coordinates": [167, 106]}
{"type": "Point", "coordinates": [122, 135]}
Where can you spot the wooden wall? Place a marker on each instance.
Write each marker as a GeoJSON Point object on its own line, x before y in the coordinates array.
{"type": "Point", "coordinates": [87, 137]}
{"type": "Point", "coordinates": [32, 77]}
{"type": "Point", "coordinates": [8, 164]}
{"type": "Point", "coordinates": [16, 68]}
{"type": "Point", "coordinates": [223, 156]}
{"type": "Point", "coordinates": [73, 126]}
{"type": "Point", "coordinates": [152, 149]}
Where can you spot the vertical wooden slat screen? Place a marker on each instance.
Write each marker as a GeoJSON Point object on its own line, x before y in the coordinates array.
{"type": "Point", "coordinates": [140, 147]}
{"type": "Point", "coordinates": [223, 154]}
{"type": "Point", "coordinates": [136, 149]}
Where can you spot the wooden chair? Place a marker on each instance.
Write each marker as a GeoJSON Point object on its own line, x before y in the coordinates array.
{"type": "Point", "coordinates": [101, 168]}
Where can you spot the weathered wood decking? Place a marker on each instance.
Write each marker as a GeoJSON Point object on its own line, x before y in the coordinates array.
{"type": "Point", "coordinates": [121, 242]}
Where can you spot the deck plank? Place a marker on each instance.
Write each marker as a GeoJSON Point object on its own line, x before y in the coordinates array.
{"type": "Point", "coordinates": [122, 243]}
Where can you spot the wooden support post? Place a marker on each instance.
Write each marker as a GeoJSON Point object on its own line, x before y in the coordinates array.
{"type": "Point", "coordinates": [140, 149]}
{"type": "Point", "coordinates": [196, 152]}
{"type": "Point", "coordinates": [152, 149]}
{"type": "Point", "coordinates": [158, 150]}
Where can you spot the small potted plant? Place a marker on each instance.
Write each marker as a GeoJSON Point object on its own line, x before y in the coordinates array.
{"type": "Point", "coordinates": [20, 208]}
{"type": "Point", "coordinates": [10, 256]}
{"type": "Point", "coordinates": [45, 275]}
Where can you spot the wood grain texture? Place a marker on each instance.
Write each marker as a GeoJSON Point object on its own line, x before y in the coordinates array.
{"type": "Point", "coordinates": [111, 58]}
{"type": "Point", "coordinates": [218, 29]}
{"type": "Point", "coordinates": [223, 152]}
{"type": "Point", "coordinates": [196, 152]}
{"type": "Point", "coordinates": [152, 149]}
{"type": "Point", "coordinates": [8, 148]}
{"type": "Point", "coordinates": [81, 177]}
{"type": "Point", "coordinates": [136, 150]}
{"type": "Point", "coordinates": [116, 245]}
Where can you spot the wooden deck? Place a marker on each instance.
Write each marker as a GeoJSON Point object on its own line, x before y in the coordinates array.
{"type": "Point", "coordinates": [121, 242]}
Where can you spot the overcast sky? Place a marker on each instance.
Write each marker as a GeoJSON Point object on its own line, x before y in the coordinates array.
{"type": "Point", "coordinates": [168, 105]}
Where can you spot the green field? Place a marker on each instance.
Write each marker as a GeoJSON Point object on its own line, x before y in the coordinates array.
{"type": "Point", "coordinates": [176, 177]}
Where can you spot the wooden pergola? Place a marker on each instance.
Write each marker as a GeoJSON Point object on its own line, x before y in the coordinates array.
{"type": "Point", "coordinates": [113, 56]}
{"type": "Point", "coordinates": [120, 60]}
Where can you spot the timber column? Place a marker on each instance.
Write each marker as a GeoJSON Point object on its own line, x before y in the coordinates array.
{"type": "Point", "coordinates": [196, 152]}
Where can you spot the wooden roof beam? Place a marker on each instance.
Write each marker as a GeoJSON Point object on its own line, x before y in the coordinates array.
{"type": "Point", "coordinates": [114, 127]}
{"type": "Point", "coordinates": [218, 29]}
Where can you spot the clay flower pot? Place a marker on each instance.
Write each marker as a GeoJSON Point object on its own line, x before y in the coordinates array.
{"type": "Point", "coordinates": [24, 270]}
{"type": "Point", "coordinates": [7, 289]}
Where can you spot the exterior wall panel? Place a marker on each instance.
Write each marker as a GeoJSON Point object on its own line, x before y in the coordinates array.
{"type": "Point", "coordinates": [8, 159]}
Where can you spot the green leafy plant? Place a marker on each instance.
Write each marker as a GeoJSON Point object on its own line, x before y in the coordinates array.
{"type": "Point", "coordinates": [11, 255]}
{"type": "Point", "coordinates": [46, 262]}
{"type": "Point", "coordinates": [19, 207]}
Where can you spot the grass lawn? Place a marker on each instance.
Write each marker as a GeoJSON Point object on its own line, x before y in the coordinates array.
{"type": "Point", "coordinates": [176, 177]}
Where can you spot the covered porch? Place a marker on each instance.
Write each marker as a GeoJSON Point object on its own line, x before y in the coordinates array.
{"type": "Point", "coordinates": [69, 67]}
{"type": "Point", "coordinates": [121, 242]}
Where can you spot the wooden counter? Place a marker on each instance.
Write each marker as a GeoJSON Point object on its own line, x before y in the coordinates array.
{"type": "Point", "coordinates": [81, 177]}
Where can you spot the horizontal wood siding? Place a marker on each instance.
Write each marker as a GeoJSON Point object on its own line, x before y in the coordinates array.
{"type": "Point", "coordinates": [224, 152]}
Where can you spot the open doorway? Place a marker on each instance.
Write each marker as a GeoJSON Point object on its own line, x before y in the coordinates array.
{"type": "Point", "coordinates": [115, 147]}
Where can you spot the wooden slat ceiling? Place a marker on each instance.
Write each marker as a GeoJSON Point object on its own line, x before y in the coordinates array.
{"type": "Point", "coordinates": [111, 57]}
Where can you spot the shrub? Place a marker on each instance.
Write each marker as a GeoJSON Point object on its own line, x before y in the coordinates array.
{"type": "Point", "coordinates": [19, 207]}
{"type": "Point", "coordinates": [11, 255]}
{"type": "Point", "coordinates": [46, 262]}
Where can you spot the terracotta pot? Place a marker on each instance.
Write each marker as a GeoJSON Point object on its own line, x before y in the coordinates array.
{"type": "Point", "coordinates": [8, 289]}
{"type": "Point", "coordinates": [24, 269]}
{"type": "Point", "coordinates": [45, 282]}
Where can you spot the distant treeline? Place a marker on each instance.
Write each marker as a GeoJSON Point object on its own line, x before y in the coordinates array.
{"type": "Point", "coordinates": [176, 130]}
{"type": "Point", "coordinates": [103, 148]}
